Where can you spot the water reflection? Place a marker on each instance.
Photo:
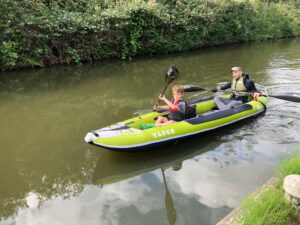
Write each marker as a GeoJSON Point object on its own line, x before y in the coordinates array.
{"type": "Point", "coordinates": [141, 197]}
{"type": "Point", "coordinates": [171, 212]}
{"type": "Point", "coordinates": [123, 166]}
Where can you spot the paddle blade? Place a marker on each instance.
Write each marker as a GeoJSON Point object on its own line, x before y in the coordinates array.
{"type": "Point", "coordinates": [287, 97]}
{"type": "Point", "coordinates": [172, 73]}
{"type": "Point", "coordinates": [193, 88]}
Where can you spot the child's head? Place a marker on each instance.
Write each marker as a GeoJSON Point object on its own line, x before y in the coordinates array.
{"type": "Point", "coordinates": [177, 91]}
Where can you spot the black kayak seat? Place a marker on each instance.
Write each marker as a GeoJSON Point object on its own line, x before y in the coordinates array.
{"type": "Point", "coordinates": [218, 114]}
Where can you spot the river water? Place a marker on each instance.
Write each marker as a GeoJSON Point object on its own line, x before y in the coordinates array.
{"type": "Point", "coordinates": [50, 176]}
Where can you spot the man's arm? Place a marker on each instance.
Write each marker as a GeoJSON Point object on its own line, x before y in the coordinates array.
{"type": "Point", "coordinates": [162, 107]}
{"type": "Point", "coordinates": [249, 84]}
{"type": "Point", "coordinates": [226, 86]}
{"type": "Point", "coordinates": [223, 87]}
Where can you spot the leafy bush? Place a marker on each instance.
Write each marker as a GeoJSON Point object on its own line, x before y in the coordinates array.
{"type": "Point", "coordinates": [46, 32]}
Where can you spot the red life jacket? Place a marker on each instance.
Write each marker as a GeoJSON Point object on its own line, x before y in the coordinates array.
{"type": "Point", "coordinates": [176, 114]}
{"type": "Point", "coordinates": [190, 112]}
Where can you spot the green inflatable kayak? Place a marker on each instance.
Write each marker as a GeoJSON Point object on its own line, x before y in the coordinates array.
{"type": "Point", "coordinates": [129, 135]}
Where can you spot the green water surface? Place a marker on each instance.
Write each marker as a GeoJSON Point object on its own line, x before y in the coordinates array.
{"type": "Point", "coordinates": [49, 175]}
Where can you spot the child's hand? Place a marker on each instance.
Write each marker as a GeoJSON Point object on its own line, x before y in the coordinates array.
{"type": "Point", "coordinates": [162, 97]}
{"type": "Point", "coordinates": [155, 107]}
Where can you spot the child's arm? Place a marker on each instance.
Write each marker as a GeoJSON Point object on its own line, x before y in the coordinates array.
{"type": "Point", "coordinates": [169, 104]}
{"type": "Point", "coordinates": [162, 107]}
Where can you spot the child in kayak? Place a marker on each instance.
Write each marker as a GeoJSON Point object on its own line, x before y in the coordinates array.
{"type": "Point", "coordinates": [177, 107]}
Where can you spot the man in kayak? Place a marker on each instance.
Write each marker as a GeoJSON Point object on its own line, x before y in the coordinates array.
{"type": "Point", "coordinates": [177, 107]}
{"type": "Point", "coordinates": [240, 83]}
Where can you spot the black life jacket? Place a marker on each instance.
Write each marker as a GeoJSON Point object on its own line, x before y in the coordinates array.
{"type": "Point", "coordinates": [190, 111]}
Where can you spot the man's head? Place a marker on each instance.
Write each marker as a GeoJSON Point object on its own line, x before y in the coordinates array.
{"type": "Point", "coordinates": [177, 91]}
{"type": "Point", "coordinates": [236, 72]}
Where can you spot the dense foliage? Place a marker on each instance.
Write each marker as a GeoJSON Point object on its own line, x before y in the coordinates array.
{"type": "Point", "coordinates": [46, 32]}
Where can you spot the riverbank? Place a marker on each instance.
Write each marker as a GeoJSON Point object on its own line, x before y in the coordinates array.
{"type": "Point", "coordinates": [268, 206]}
{"type": "Point", "coordinates": [37, 33]}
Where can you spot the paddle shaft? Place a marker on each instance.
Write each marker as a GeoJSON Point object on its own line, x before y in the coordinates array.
{"type": "Point", "coordinates": [163, 92]}
{"type": "Point", "coordinates": [290, 98]}
{"type": "Point", "coordinates": [193, 88]}
{"type": "Point", "coordinates": [286, 97]}
{"type": "Point", "coordinates": [171, 74]}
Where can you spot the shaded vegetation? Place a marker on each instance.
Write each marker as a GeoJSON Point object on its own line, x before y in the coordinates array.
{"type": "Point", "coordinates": [270, 207]}
{"type": "Point", "coordinates": [46, 32]}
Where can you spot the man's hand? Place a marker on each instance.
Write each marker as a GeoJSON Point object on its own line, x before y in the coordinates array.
{"type": "Point", "coordinates": [256, 95]}
{"type": "Point", "coordinates": [215, 89]}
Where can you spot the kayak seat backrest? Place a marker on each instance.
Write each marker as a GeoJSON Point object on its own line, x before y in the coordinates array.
{"type": "Point", "coordinates": [191, 112]}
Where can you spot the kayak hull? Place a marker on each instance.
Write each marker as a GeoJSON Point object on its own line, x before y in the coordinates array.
{"type": "Point", "coordinates": [128, 136]}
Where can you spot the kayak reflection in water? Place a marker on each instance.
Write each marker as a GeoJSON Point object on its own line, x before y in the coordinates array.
{"type": "Point", "coordinates": [240, 83]}
{"type": "Point", "coordinates": [177, 107]}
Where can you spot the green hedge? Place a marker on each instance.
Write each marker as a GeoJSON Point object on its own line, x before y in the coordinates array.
{"type": "Point", "coordinates": [47, 32]}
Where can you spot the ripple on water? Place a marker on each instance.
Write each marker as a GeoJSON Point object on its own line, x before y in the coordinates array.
{"type": "Point", "coordinates": [282, 122]}
{"type": "Point", "coordinates": [281, 61]}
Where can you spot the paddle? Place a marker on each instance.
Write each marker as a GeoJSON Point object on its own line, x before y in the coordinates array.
{"type": "Point", "coordinates": [193, 88]}
{"type": "Point", "coordinates": [171, 74]}
{"type": "Point", "coordinates": [287, 97]}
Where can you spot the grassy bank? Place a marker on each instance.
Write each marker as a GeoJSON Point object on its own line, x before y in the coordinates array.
{"type": "Point", "coordinates": [46, 32]}
{"type": "Point", "coordinates": [270, 207]}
